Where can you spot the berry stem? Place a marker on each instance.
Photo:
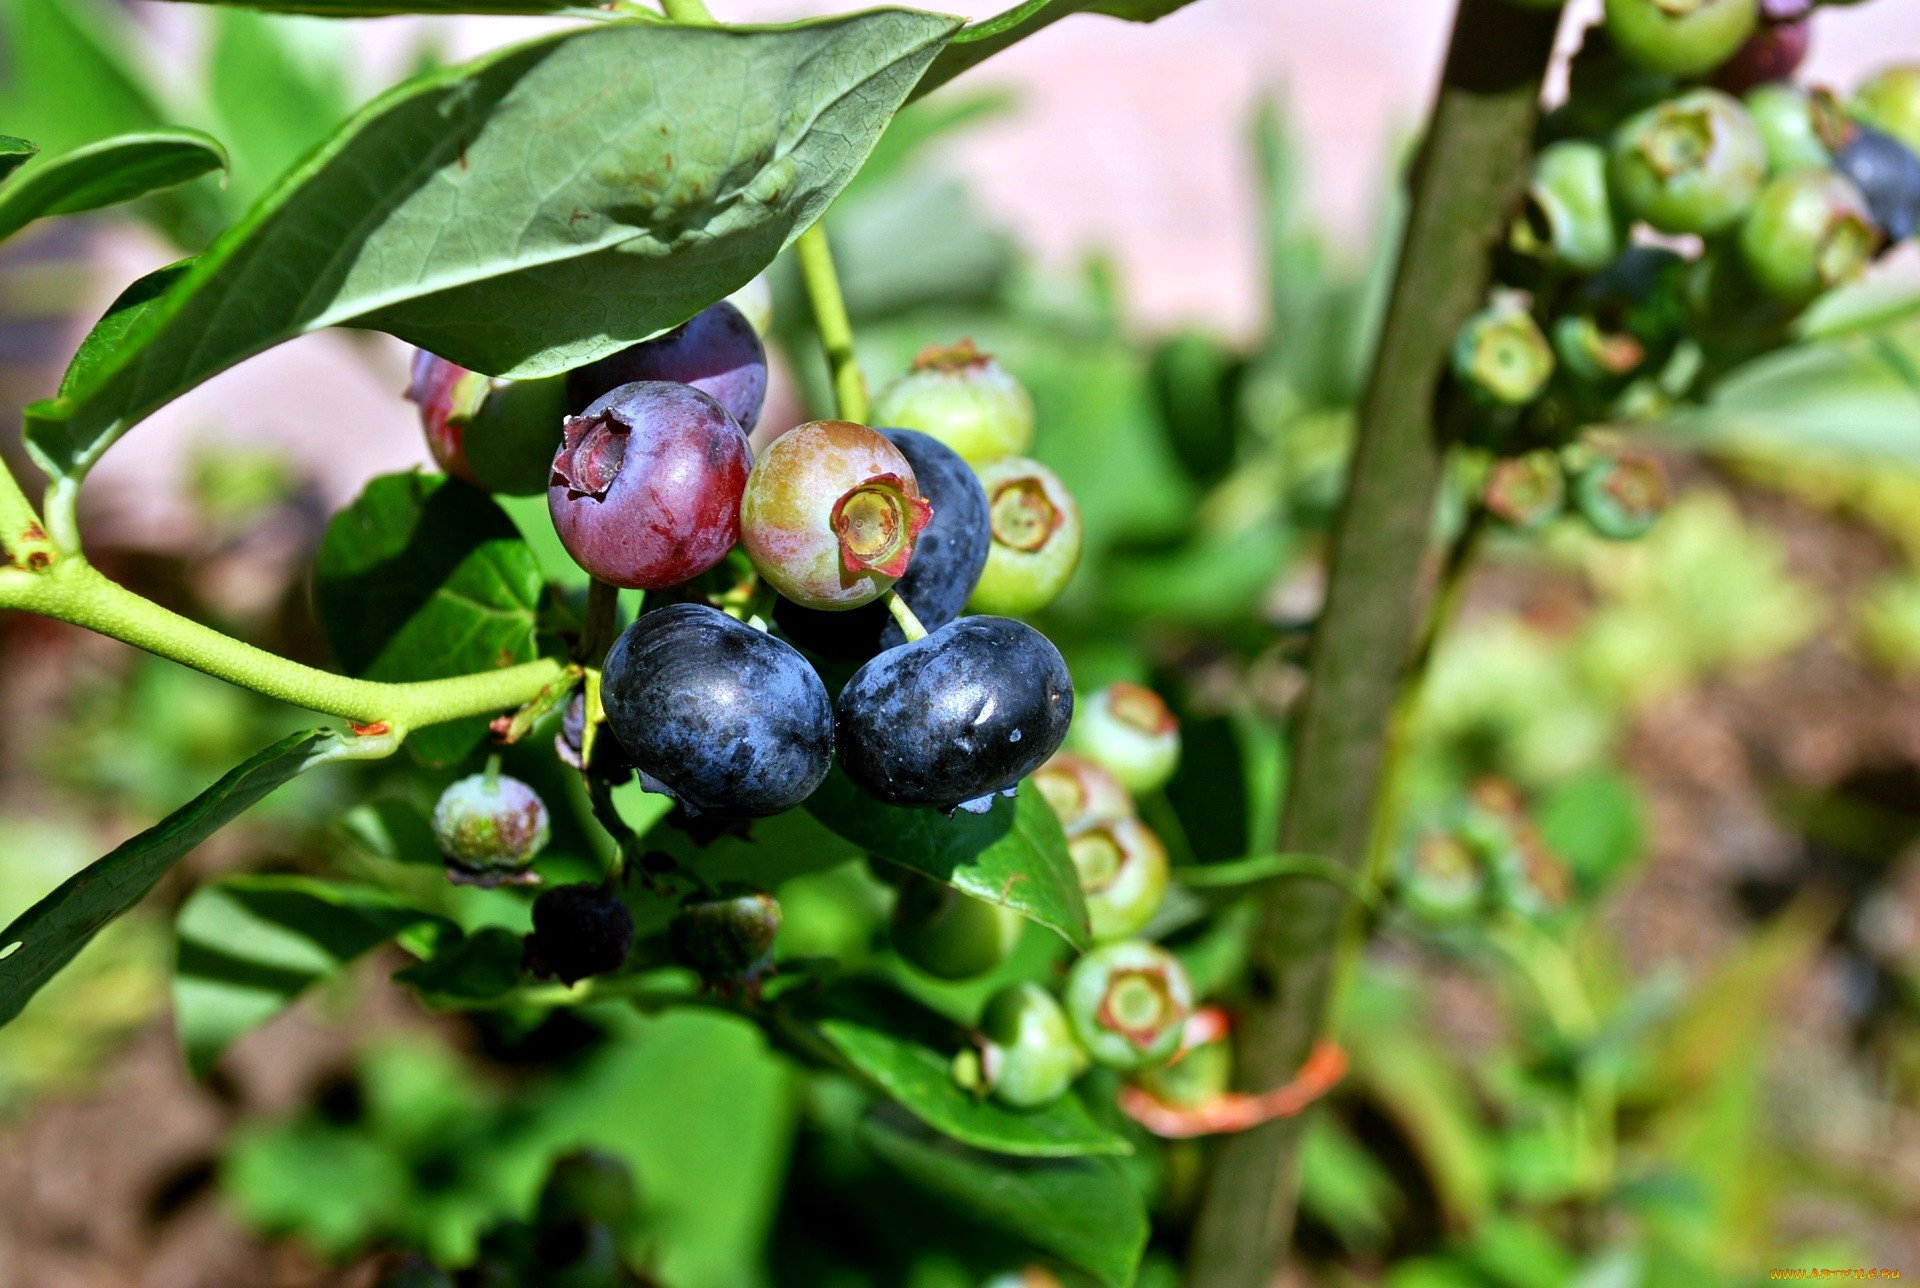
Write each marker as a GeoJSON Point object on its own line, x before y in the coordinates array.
{"type": "Point", "coordinates": [830, 316]}
{"type": "Point", "coordinates": [909, 624]}
{"type": "Point", "coordinates": [603, 615]}
{"type": "Point", "coordinates": [1470, 172]}
{"type": "Point", "coordinates": [23, 538]}
{"type": "Point", "coordinates": [72, 590]}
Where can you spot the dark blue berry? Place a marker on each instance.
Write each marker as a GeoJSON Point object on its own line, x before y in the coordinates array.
{"type": "Point", "coordinates": [947, 558]}
{"type": "Point", "coordinates": [1888, 175]}
{"type": "Point", "coordinates": [579, 930]}
{"type": "Point", "coordinates": [717, 352]}
{"type": "Point", "coordinates": [722, 717]}
{"type": "Point", "coordinates": [953, 718]}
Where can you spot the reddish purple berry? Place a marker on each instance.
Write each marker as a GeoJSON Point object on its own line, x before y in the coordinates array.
{"type": "Point", "coordinates": [717, 352]}
{"type": "Point", "coordinates": [646, 487]}
{"type": "Point", "coordinates": [1773, 53]}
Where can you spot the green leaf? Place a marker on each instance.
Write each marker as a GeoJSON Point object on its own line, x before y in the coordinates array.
{"type": "Point", "coordinates": [979, 41]}
{"type": "Point", "coordinates": [110, 332]}
{"type": "Point", "coordinates": [72, 73]}
{"type": "Point", "coordinates": [46, 936]}
{"type": "Point", "coordinates": [14, 153]}
{"type": "Point", "coordinates": [529, 211]}
{"type": "Point", "coordinates": [1083, 1210]}
{"type": "Point", "coordinates": [107, 173]}
{"type": "Point", "coordinates": [278, 87]}
{"type": "Point", "coordinates": [1596, 822]}
{"type": "Point", "coordinates": [422, 578]}
{"type": "Point", "coordinates": [1014, 854]}
{"type": "Point", "coordinates": [476, 970]}
{"type": "Point", "coordinates": [250, 945]}
{"type": "Point", "coordinates": [387, 8]}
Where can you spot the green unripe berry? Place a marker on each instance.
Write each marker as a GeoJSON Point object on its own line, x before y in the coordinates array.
{"type": "Point", "coordinates": [1128, 729]}
{"type": "Point", "coordinates": [1809, 230]}
{"type": "Point", "coordinates": [499, 435]}
{"type": "Point", "coordinates": [1889, 101]}
{"type": "Point", "coordinates": [1122, 867]}
{"type": "Point", "coordinates": [1568, 213]}
{"type": "Point", "coordinates": [1501, 357]}
{"type": "Point", "coordinates": [1128, 1003]}
{"type": "Point", "coordinates": [1035, 529]}
{"type": "Point", "coordinates": [1788, 121]}
{"type": "Point", "coordinates": [489, 827]}
{"type": "Point", "coordinates": [1526, 492]}
{"type": "Point", "coordinates": [1591, 353]}
{"type": "Point", "coordinates": [951, 935]}
{"type": "Point", "coordinates": [1621, 493]}
{"type": "Point", "coordinates": [1442, 878]}
{"type": "Point", "coordinates": [727, 939]}
{"type": "Point", "coordinates": [1081, 791]}
{"type": "Point", "coordinates": [1680, 37]}
{"type": "Point", "coordinates": [1027, 1055]}
{"type": "Point", "coordinates": [1201, 1071]}
{"type": "Point", "coordinates": [965, 399]}
{"type": "Point", "coordinates": [1692, 164]}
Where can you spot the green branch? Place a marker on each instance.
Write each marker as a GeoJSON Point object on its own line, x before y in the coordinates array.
{"type": "Point", "coordinates": [1472, 165]}
{"type": "Point", "coordinates": [72, 590]}
{"type": "Point", "coordinates": [830, 316]}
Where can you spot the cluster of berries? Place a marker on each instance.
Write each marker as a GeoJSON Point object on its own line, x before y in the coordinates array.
{"type": "Point", "coordinates": [1688, 204]}
{"type": "Point", "coordinates": [1486, 856]}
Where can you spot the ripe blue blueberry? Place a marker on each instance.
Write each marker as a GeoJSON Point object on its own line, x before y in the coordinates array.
{"type": "Point", "coordinates": [724, 718]}
{"type": "Point", "coordinates": [579, 930]}
{"type": "Point", "coordinates": [947, 558]}
{"type": "Point", "coordinates": [646, 488]}
{"type": "Point", "coordinates": [951, 719]}
{"type": "Point", "coordinates": [717, 352]}
{"type": "Point", "coordinates": [1887, 172]}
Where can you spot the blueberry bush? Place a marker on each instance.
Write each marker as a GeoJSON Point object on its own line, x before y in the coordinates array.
{"type": "Point", "coordinates": [998, 830]}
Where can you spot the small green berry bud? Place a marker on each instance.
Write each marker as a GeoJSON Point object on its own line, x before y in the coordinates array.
{"type": "Point", "coordinates": [1692, 164]}
{"type": "Point", "coordinates": [1128, 1003]}
{"type": "Point", "coordinates": [1027, 1056]}
{"type": "Point", "coordinates": [1680, 37]}
{"type": "Point", "coordinates": [1129, 729]}
{"type": "Point", "coordinates": [1889, 101]}
{"type": "Point", "coordinates": [951, 935]}
{"type": "Point", "coordinates": [1081, 791]}
{"type": "Point", "coordinates": [490, 827]}
{"type": "Point", "coordinates": [965, 399]}
{"type": "Point", "coordinates": [1034, 525]}
{"type": "Point", "coordinates": [1442, 878]}
{"type": "Point", "coordinates": [1526, 492]}
{"type": "Point", "coordinates": [1122, 867]}
{"type": "Point", "coordinates": [726, 939]}
{"type": "Point", "coordinates": [1621, 493]}
{"type": "Point", "coordinates": [1567, 216]}
{"type": "Point", "coordinates": [1786, 117]}
{"type": "Point", "coordinates": [1810, 230]}
{"type": "Point", "coordinates": [1201, 1071]}
{"type": "Point", "coordinates": [1501, 357]}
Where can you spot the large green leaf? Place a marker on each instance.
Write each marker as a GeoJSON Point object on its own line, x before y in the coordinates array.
{"type": "Point", "coordinates": [1014, 854]}
{"type": "Point", "coordinates": [277, 88]}
{"type": "Point", "coordinates": [110, 332]}
{"type": "Point", "coordinates": [46, 936]}
{"type": "Point", "coordinates": [14, 153]}
{"type": "Point", "coordinates": [907, 1051]}
{"type": "Point", "coordinates": [385, 8]}
{"type": "Point", "coordinates": [529, 211]}
{"type": "Point", "coordinates": [71, 73]}
{"type": "Point", "coordinates": [250, 945]}
{"type": "Point", "coordinates": [477, 970]}
{"type": "Point", "coordinates": [1083, 1210]}
{"type": "Point", "coordinates": [980, 41]}
{"type": "Point", "coordinates": [422, 578]}
{"type": "Point", "coordinates": [107, 173]}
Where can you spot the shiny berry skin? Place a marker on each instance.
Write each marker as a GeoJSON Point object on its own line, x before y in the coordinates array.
{"type": "Point", "coordinates": [1692, 164]}
{"type": "Point", "coordinates": [1036, 537]}
{"type": "Point", "coordinates": [1442, 878]}
{"type": "Point", "coordinates": [1128, 1003]}
{"type": "Point", "coordinates": [831, 514]}
{"type": "Point", "coordinates": [609, 758]}
{"type": "Point", "coordinates": [1081, 791]}
{"type": "Point", "coordinates": [717, 352]}
{"type": "Point", "coordinates": [726, 939]}
{"type": "Point", "coordinates": [1526, 492]}
{"type": "Point", "coordinates": [1500, 357]}
{"type": "Point", "coordinates": [1889, 101]}
{"type": "Point", "coordinates": [646, 487]}
{"type": "Point", "coordinates": [725, 719]}
{"type": "Point", "coordinates": [951, 935]}
{"type": "Point", "coordinates": [1621, 493]}
{"type": "Point", "coordinates": [1680, 37]}
{"type": "Point", "coordinates": [953, 718]}
{"type": "Point", "coordinates": [1201, 1071]}
{"type": "Point", "coordinates": [1122, 867]}
{"type": "Point", "coordinates": [1786, 118]}
{"type": "Point", "coordinates": [1810, 230]}
{"type": "Point", "coordinates": [1129, 730]}
{"type": "Point", "coordinates": [1771, 54]}
{"type": "Point", "coordinates": [579, 930]}
{"type": "Point", "coordinates": [1887, 172]}
{"type": "Point", "coordinates": [495, 434]}
{"type": "Point", "coordinates": [947, 558]}
{"type": "Point", "coordinates": [1568, 213]}
{"type": "Point", "coordinates": [963, 398]}
{"type": "Point", "coordinates": [489, 827]}
{"type": "Point", "coordinates": [1027, 1056]}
